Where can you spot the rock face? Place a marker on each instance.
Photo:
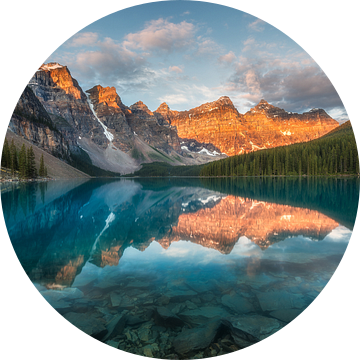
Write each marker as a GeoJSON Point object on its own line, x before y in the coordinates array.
{"type": "Point", "coordinates": [145, 125]}
{"type": "Point", "coordinates": [31, 121]}
{"type": "Point", "coordinates": [264, 126]}
{"type": "Point", "coordinates": [128, 123]}
{"type": "Point", "coordinates": [164, 114]}
{"type": "Point", "coordinates": [217, 123]}
{"type": "Point", "coordinates": [61, 96]}
{"type": "Point", "coordinates": [120, 138]}
{"type": "Point", "coordinates": [115, 137]}
{"type": "Point", "coordinates": [111, 112]}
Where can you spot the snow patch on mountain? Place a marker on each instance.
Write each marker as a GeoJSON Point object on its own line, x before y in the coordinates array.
{"type": "Point", "coordinates": [206, 151]}
{"type": "Point", "coordinates": [107, 133]}
{"type": "Point", "coordinates": [50, 66]}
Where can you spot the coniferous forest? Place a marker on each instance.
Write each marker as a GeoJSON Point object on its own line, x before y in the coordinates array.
{"type": "Point", "coordinates": [22, 162]}
{"type": "Point", "coordinates": [333, 154]}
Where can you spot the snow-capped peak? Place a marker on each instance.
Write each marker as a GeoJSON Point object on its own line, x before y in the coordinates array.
{"type": "Point", "coordinates": [50, 66]}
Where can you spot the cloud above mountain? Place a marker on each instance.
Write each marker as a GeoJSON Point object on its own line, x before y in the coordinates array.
{"type": "Point", "coordinates": [287, 83]}
{"type": "Point", "coordinates": [161, 54]}
{"type": "Point", "coordinates": [162, 34]}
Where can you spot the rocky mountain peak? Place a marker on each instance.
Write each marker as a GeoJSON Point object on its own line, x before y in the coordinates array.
{"type": "Point", "coordinates": [225, 100]}
{"type": "Point", "coordinates": [318, 112]}
{"type": "Point", "coordinates": [59, 77]}
{"type": "Point", "coordinates": [106, 96]}
{"type": "Point", "coordinates": [163, 108]}
{"type": "Point", "coordinates": [50, 66]}
{"type": "Point", "coordinates": [262, 106]}
{"type": "Point", "coordinates": [140, 106]}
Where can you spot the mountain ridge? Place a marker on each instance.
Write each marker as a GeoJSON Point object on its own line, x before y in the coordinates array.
{"type": "Point", "coordinates": [120, 138]}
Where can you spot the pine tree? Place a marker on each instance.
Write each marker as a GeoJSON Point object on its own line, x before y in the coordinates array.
{"type": "Point", "coordinates": [31, 166]}
{"type": "Point", "coordinates": [14, 157]}
{"type": "Point", "coordinates": [42, 166]}
{"type": "Point", "coordinates": [23, 162]}
{"type": "Point", "coordinates": [6, 157]}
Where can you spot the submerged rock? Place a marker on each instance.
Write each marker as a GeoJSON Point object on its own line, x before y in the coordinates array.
{"type": "Point", "coordinates": [90, 324]}
{"type": "Point", "coordinates": [180, 295]}
{"type": "Point", "coordinates": [134, 320]}
{"type": "Point", "coordinates": [195, 339]}
{"type": "Point", "coordinates": [144, 334]}
{"type": "Point", "coordinates": [279, 300]}
{"type": "Point", "coordinates": [203, 315]}
{"type": "Point", "coordinates": [58, 298]}
{"type": "Point", "coordinates": [237, 303]}
{"type": "Point", "coordinates": [249, 329]}
{"type": "Point", "coordinates": [115, 326]}
{"type": "Point", "coordinates": [164, 317]}
{"type": "Point", "coordinates": [286, 315]}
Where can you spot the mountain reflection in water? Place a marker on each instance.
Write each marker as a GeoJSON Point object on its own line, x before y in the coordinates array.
{"type": "Point", "coordinates": [209, 250]}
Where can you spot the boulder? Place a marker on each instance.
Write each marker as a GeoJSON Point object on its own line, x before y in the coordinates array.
{"type": "Point", "coordinates": [180, 295]}
{"type": "Point", "coordinates": [237, 303]}
{"type": "Point", "coordinates": [203, 315]}
{"type": "Point", "coordinates": [249, 329]}
{"type": "Point", "coordinates": [164, 317]}
{"type": "Point", "coordinates": [196, 339]}
{"type": "Point", "coordinates": [91, 324]}
{"type": "Point", "coordinates": [286, 315]}
{"type": "Point", "coordinates": [115, 326]}
{"type": "Point", "coordinates": [279, 300]}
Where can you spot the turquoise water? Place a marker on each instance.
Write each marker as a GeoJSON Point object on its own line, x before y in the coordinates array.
{"type": "Point", "coordinates": [181, 268]}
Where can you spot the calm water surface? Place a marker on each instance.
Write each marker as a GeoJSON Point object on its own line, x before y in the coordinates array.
{"type": "Point", "coordinates": [181, 268]}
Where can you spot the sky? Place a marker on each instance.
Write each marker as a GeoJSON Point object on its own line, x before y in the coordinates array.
{"type": "Point", "coordinates": [189, 53]}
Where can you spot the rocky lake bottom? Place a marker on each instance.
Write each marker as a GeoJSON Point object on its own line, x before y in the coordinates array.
{"type": "Point", "coordinates": [179, 270]}
{"type": "Point", "coordinates": [194, 311]}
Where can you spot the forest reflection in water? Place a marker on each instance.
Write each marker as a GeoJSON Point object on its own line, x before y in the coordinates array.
{"type": "Point", "coordinates": [212, 251]}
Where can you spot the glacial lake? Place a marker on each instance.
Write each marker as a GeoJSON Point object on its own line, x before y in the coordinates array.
{"type": "Point", "coordinates": [181, 268]}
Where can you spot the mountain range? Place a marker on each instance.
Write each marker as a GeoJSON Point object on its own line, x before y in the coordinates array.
{"type": "Point", "coordinates": [94, 128]}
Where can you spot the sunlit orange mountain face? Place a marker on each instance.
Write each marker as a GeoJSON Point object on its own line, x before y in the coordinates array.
{"type": "Point", "coordinates": [264, 126]}
{"type": "Point", "coordinates": [120, 138]}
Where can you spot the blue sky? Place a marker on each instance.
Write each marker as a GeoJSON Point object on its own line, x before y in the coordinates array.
{"type": "Point", "coordinates": [188, 53]}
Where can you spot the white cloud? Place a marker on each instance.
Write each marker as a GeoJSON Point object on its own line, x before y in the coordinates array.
{"type": "Point", "coordinates": [175, 69]}
{"type": "Point", "coordinates": [174, 99]}
{"type": "Point", "coordinates": [83, 39]}
{"type": "Point", "coordinates": [286, 82]}
{"type": "Point", "coordinates": [191, 95]}
{"type": "Point", "coordinates": [339, 113]}
{"type": "Point", "coordinates": [207, 46]}
{"type": "Point", "coordinates": [252, 82]}
{"type": "Point", "coordinates": [257, 25]}
{"type": "Point", "coordinates": [162, 35]}
{"type": "Point", "coordinates": [228, 58]}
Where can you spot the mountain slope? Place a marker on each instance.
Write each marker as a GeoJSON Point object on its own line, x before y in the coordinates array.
{"type": "Point", "coordinates": [57, 169]}
{"type": "Point", "coordinates": [95, 129]}
{"type": "Point", "coordinates": [334, 153]}
{"type": "Point", "coordinates": [115, 137]}
{"type": "Point", "coordinates": [264, 126]}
